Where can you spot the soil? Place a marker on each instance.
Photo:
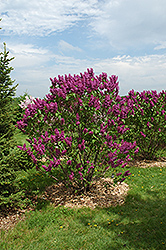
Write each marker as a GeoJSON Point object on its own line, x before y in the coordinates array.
{"type": "Point", "coordinates": [102, 194]}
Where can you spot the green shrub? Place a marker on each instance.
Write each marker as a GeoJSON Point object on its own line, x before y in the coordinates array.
{"type": "Point", "coordinates": [10, 166]}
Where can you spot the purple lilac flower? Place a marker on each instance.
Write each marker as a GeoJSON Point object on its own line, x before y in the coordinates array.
{"type": "Point", "coordinates": [91, 167]}
{"type": "Point", "coordinates": [143, 134]}
{"type": "Point", "coordinates": [152, 104]}
{"type": "Point", "coordinates": [85, 130]}
{"type": "Point", "coordinates": [127, 173]}
{"type": "Point", "coordinates": [71, 176]}
{"type": "Point", "coordinates": [91, 132]}
{"type": "Point", "coordinates": [80, 175]}
{"type": "Point", "coordinates": [77, 117]}
{"type": "Point", "coordinates": [118, 174]}
{"type": "Point", "coordinates": [142, 112]}
{"type": "Point", "coordinates": [69, 162]}
{"type": "Point", "coordinates": [136, 151]}
{"type": "Point", "coordinates": [57, 151]}
{"type": "Point", "coordinates": [62, 121]}
{"type": "Point", "coordinates": [63, 152]}
{"type": "Point", "coordinates": [68, 141]}
{"type": "Point", "coordinates": [45, 168]}
{"type": "Point", "coordinates": [82, 145]}
{"type": "Point", "coordinates": [57, 162]}
{"type": "Point", "coordinates": [78, 165]}
{"type": "Point", "coordinates": [163, 111]}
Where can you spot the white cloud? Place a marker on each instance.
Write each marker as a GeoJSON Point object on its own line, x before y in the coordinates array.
{"type": "Point", "coordinates": [34, 17]}
{"type": "Point", "coordinates": [139, 73]}
{"type": "Point", "coordinates": [64, 46]}
{"type": "Point", "coordinates": [131, 24]}
{"type": "Point", "coordinates": [27, 55]}
{"type": "Point", "coordinates": [162, 45]}
{"type": "Point", "coordinates": [34, 66]}
{"type": "Point", "coordinates": [26, 49]}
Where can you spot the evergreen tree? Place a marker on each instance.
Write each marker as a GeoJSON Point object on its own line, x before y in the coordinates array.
{"type": "Point", "coordinates": [7, 91]}
{"type": "Point", "coordinates": [11, 160]}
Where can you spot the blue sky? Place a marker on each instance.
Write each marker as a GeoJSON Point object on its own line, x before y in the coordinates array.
{"type": "Point", "coordinates": [126, 38]}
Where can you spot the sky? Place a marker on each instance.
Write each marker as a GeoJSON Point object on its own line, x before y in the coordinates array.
{"type": "Point", "coordinates": [48, 38]}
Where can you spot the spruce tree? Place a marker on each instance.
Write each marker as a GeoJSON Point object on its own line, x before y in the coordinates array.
{"type": "Point", "coordinates": [11, 160]}
{"type": "Point", "coordinates": [7, 91]}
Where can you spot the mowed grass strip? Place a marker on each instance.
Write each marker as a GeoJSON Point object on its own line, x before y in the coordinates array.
{"type": "Point", "coordinates": [138, 224]}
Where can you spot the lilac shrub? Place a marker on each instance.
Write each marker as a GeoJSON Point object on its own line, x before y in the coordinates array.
{"type": "Point", "coordinates": [146, 118]}
{"type": "Point", "coordinates": [76, 130]}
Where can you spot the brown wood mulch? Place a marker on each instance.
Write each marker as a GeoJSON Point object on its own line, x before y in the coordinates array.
{"type": "Point", "coordinates": [161, 162]}
{"type": "Point", "coordinates": [102, 194]}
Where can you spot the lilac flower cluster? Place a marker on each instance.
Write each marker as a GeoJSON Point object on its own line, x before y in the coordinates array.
{"type": "Point", "coordinates": [147, 121]}
{"type": "Point", "coordinates": [77, 128]}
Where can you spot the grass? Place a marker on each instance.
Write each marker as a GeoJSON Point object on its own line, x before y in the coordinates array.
{"type": "Point", "coordinates": [138, 224]}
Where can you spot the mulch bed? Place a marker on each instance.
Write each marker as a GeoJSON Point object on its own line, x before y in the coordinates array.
{"type": "Point", "coordinates": [102, 194]}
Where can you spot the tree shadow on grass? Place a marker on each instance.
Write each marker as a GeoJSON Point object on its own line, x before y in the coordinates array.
{"type": "Point", "coordinates": [140, 223]}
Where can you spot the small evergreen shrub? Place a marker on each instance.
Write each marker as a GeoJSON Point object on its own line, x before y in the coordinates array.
{"type": "Point", "coordinates": [11, 193]}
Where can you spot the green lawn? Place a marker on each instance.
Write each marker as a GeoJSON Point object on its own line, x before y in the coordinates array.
{"type": "Point", "coordinates": [138, 224]}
